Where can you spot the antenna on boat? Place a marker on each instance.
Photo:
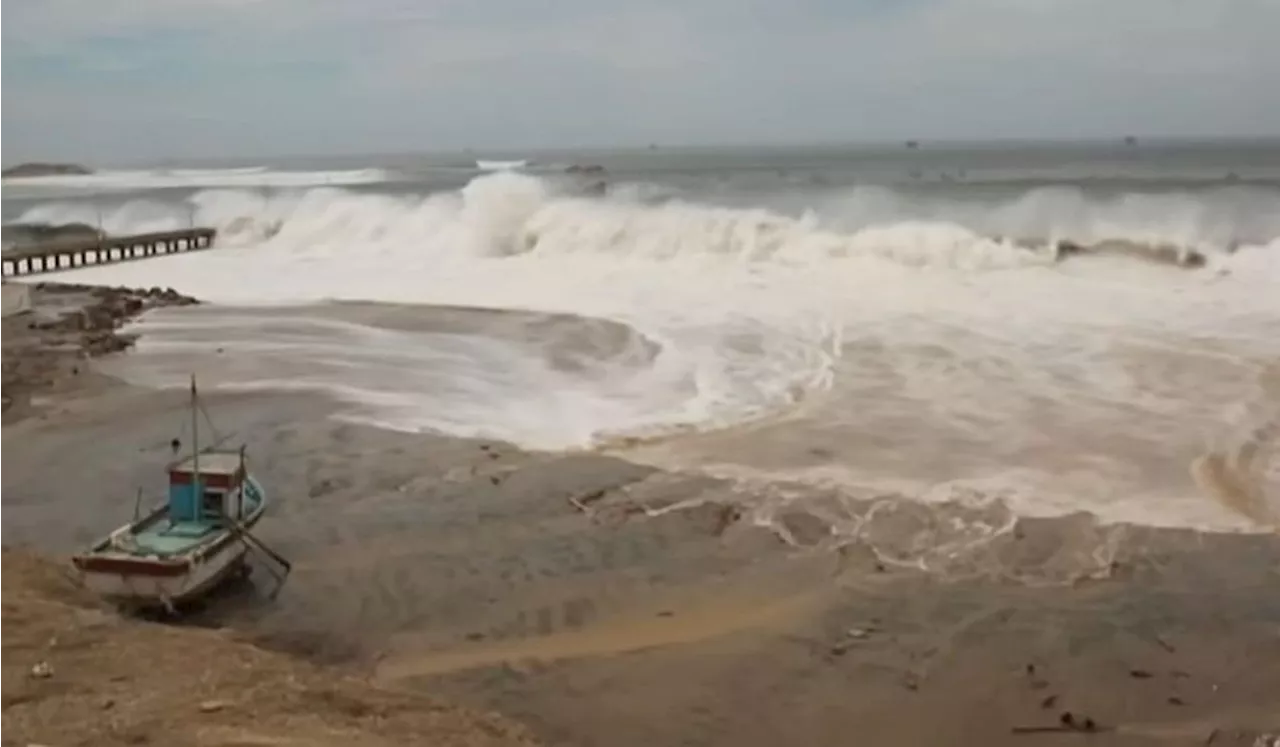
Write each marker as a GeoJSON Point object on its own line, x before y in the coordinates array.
{"type": "Point", "coordinates": [195, 436]}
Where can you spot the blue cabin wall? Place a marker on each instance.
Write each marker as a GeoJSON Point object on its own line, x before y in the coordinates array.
{"type": "Point", "coordinates": [184, 502]}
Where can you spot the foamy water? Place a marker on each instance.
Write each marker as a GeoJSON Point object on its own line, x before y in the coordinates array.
{"type": "Point", "coordinates": [868, 339]}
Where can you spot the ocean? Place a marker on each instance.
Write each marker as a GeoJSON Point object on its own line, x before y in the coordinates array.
{"type": "Point", "coordinates": [1022, 329]}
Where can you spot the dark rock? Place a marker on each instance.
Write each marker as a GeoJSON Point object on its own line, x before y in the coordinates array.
{"type": "Point", "coordinates": [39, 168]}
{"type": "Point", "coordinates": [1070, 248]}
{"type": "Point", "coordinates": [41, 352]}
{"type": "Point", "coordinates": [104, 343]}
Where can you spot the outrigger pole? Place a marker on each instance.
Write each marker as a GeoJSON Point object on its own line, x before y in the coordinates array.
{"type": "Point", "coordinates": [253, 543]}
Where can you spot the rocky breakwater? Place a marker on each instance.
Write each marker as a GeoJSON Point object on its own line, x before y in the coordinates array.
{"type": "Point", "coordinates": [48, 343]}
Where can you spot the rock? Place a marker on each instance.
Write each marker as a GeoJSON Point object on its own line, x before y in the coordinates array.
{"type": "Point", "coordinates": [42, 670]}
{"type": "Point", "coordinates": [71, 322]}
{"type": "Point", "coordinates": [101, 318]}
{"type": "Point", "coordinates": [212, 706]}
{"type": "Point", "coordinates": [39, 168]}
{"type": "Point", "coordinates": [1070, 248]}
{"type": "Point", "coordinates": [106, 342]}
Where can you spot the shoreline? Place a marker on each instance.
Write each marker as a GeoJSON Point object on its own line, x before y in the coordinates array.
{"type": "Point", "coordinates": [603, 602]}
{"type": "Point", "coordinates": [78, 672]}
{"type": "Point", "coordinates": [52, 330]}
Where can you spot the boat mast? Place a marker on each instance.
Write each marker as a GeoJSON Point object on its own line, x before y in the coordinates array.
{"type": "Point", "coordinates": [195, 450]}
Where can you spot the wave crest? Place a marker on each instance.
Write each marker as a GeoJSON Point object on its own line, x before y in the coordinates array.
{"type": "Point", "coordinates": [509, 213]}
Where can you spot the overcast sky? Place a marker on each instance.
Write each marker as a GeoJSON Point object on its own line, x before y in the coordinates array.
{"type": "Point", "coordinates": [119, 80]}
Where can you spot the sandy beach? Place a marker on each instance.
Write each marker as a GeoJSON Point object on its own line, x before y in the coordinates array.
{"type": "Point", "coordinates": [711, 374]}
{"type": "Point", "coordinates": [603, 602]}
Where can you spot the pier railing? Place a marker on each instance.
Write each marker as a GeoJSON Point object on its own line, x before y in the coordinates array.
{"type": "Point", "coordinates": [69, 254]}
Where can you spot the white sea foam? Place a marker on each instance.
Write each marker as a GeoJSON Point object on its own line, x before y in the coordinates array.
{"type": "Point", "coordinates": [914, 346]}
{"type": "Point", "coordinates": [502, 165]}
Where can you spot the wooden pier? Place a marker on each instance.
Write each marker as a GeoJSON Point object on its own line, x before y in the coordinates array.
{"type": "Point", "coordinates": [71, 254]}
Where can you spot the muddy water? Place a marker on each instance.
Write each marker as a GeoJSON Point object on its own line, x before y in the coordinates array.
{"type": "Point", "coordinates": [608, 603]}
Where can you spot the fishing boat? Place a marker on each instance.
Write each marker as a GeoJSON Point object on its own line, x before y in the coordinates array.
{"type": "Point", "coordinates": [192, 542]}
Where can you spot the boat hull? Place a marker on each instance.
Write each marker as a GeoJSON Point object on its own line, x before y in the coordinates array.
{"type": "Point", "coordinates": [146, 582]}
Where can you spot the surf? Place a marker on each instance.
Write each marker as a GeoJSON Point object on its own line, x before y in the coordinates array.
{"type": "Point", "coordinates": [947, 341]}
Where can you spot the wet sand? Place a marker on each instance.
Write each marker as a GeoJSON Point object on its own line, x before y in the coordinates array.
{"type": "Point", "coordinates": [602, 602]}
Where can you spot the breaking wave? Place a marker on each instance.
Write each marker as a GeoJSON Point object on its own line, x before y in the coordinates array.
{"type": "Point", "coordinates": [509, 213]}
{"type": "Point", "coordinates": [865, 337]}
{"type": "Point", "coordinates": [502, 165]}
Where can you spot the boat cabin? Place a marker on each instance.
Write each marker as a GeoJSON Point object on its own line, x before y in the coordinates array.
{"type": "Point", "coordinates": [207, 488]}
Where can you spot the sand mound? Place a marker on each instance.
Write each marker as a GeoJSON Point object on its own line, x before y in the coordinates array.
{"type": "Point", "coordinates": [75, 673]}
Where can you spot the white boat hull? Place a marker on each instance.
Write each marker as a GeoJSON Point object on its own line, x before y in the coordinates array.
{"type": "Point", "coordinates": [147, 589]}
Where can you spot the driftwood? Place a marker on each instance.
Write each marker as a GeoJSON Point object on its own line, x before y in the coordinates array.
{"type": "Point", "coordinates": [1067, 724]}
